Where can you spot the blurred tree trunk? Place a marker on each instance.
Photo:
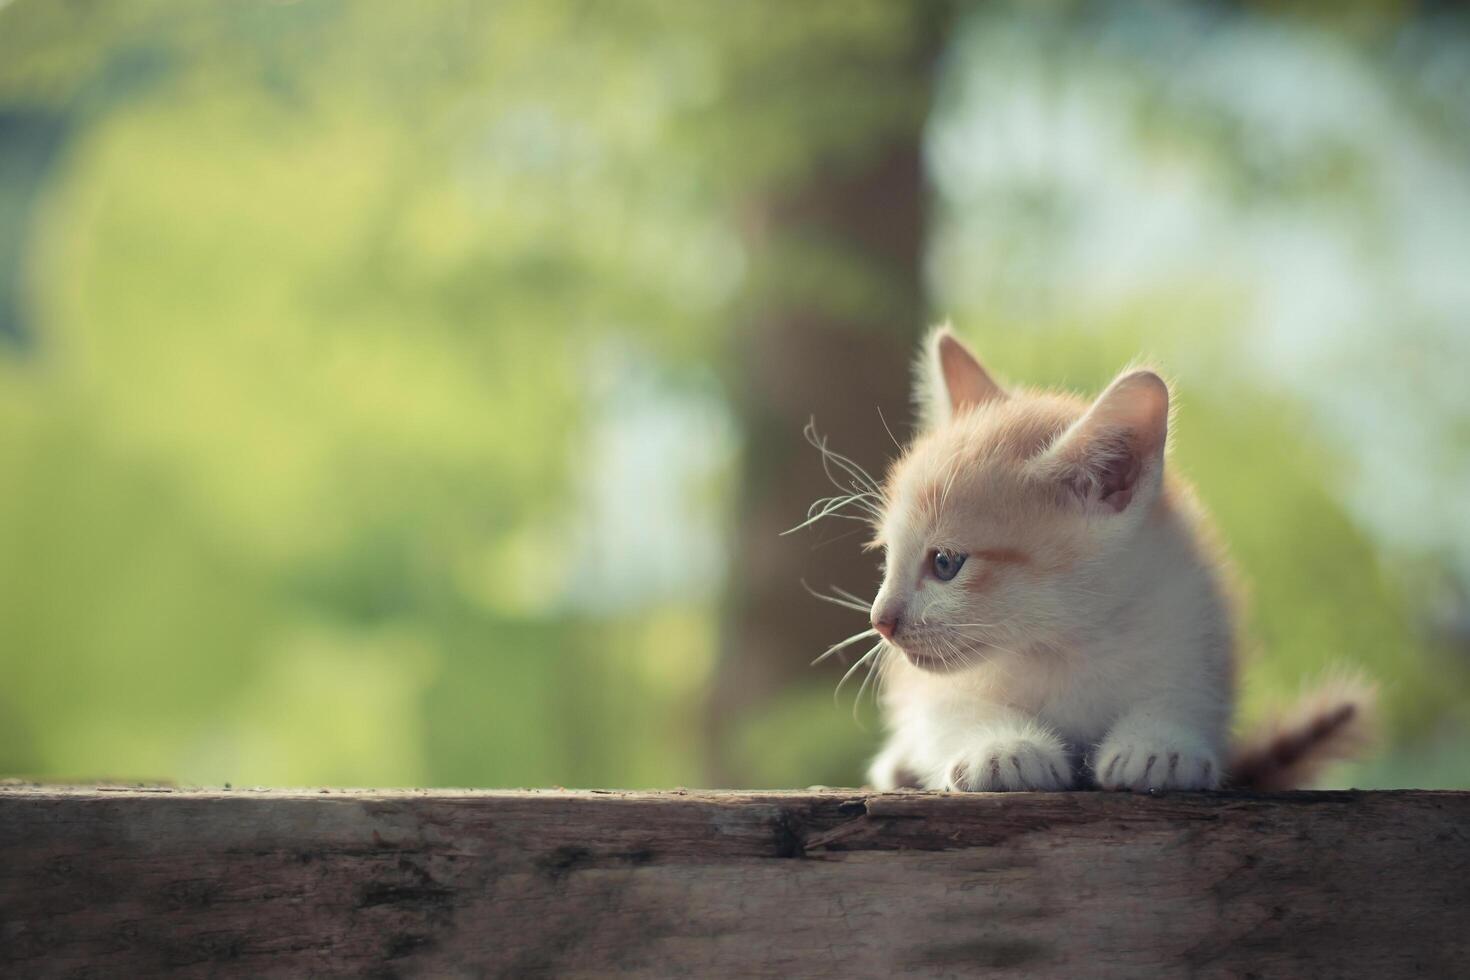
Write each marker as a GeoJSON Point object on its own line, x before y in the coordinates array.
{"type": "Point", "coordinates": [809, 347]}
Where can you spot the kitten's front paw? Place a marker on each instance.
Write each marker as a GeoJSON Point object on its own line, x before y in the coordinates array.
{"type": "Point", "coordinates": [891, 770]}
{"type": "Point", "coordinates": [1015, 763]}
{"type": "Point", "coordinates": [1155, 762]}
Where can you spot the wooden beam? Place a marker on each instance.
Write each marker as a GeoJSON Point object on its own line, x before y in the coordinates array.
{"type": "Point", "coordinates": [830, 883]}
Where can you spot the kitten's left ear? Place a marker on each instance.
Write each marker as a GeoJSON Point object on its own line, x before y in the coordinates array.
{"type": "Point", "coordinates": [1115, 453]}
{"type": "Point", "coordinates": [950, 379]}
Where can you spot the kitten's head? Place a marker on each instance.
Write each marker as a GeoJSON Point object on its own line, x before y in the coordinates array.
{"type": "Point", "coordinates": [1003, 520]}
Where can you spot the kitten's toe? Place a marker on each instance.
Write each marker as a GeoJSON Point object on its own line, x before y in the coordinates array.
{"type": "Point", "coordinates": [1009, 764]}
{"type": "Point", "coordinates": [1144, 765]}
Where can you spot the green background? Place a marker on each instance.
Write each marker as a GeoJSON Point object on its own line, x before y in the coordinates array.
{"type": "Point", "coordinates": [365, 368]}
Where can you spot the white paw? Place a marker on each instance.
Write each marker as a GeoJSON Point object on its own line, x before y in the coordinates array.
{"type": "Point", "coordinates": [1009, 764]}
{"type": "Point", "coordinates": [891, 770]}
{"type": "Point", "coordinates": [1155, 762]}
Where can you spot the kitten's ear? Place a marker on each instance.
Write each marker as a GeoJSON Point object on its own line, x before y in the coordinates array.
{"type": "Point", "coordinates": [1114, 454]}
{"type": "Point", "coordinates": [950, 379]}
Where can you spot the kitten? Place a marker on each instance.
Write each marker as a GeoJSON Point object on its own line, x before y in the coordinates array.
{"type": "Point", "coordinates": [1054, 611]}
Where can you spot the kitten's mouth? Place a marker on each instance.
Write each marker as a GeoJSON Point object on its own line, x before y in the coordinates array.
{"type": "Point", "coordinates": [930, 662]}
{"type": "Point", "coordinates": [941, 664]}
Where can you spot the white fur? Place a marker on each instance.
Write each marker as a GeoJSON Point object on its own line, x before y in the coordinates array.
{"type": "Point", "coordinates": [1104, 656]}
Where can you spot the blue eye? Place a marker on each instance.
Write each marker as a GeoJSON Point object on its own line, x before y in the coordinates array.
{"type": "Point", "coordinates": [946, 564]}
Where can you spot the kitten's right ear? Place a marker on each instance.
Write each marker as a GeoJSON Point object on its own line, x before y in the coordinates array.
{"type": "Point", "coordinates": [950, 379]}
{"type": "Point", "coordinates": [1115, 451]}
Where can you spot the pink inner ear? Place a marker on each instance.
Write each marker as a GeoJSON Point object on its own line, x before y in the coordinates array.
{"type": "Point", "coordinates": [964, 379]}
{"type": "Point", "coordinates": [1103, 455]}
{"type": "Point", "coordinates": [1118, 499]}
{"type": "Point", "coordinates": [1117, 478]}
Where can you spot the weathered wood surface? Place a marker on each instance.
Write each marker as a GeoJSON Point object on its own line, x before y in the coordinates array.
{"type": "Point", "coordinates": [830, 883]}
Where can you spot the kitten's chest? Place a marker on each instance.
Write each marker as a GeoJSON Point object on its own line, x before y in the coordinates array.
{"type": "Point", "coordinates": [1080, 712]}
{"type": "Point", "coordinates": [1083, 698]}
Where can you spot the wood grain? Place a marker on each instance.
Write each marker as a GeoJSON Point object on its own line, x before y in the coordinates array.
{"type": "Point", "coordinates": [809, 884]}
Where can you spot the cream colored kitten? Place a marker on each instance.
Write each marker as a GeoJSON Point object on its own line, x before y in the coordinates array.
{"type": "Point", "coordinates": [1053, 610]}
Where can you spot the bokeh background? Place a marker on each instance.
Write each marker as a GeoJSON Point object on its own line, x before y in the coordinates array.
{"type": "Point", "coordinates": [401, 394]}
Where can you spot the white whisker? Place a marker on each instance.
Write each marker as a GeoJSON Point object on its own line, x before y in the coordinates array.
{"type": "Point", "coordinates": [860, 661]}
{"type": "Point", "coordinates": [829, 513]}
{"type": "Point", "coordinates": [858, 488]}
{"type": "Point", "coordinates": [843, 644]}
{"type": "Point", "coordinates": [887, 429]}
{"type": "Point", "coordinates": [856, 600]}
{"type": "Point", "coordinates": [830, 507]}
{"type": "Point", "coordinates": [847, 465]}
{"type": "Point", "coordinates": [847, 600]}
{"type": "Point", "coordinates": [872, 669]}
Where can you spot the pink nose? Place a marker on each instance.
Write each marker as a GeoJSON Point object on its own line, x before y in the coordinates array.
{"type": "Point", "coordinates": [886, 624]}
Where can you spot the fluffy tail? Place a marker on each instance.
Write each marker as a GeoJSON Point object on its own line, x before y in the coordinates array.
{"type": "Point", "coordinates": [1329, 724]}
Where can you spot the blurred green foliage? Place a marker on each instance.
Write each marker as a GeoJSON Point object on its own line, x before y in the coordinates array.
{"type": "Point", "coordinates": [311, 290]}
{"type": "Point", "coordinates": [305, 308]}
{"type": "Point", "coordinates": [311, 303]}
